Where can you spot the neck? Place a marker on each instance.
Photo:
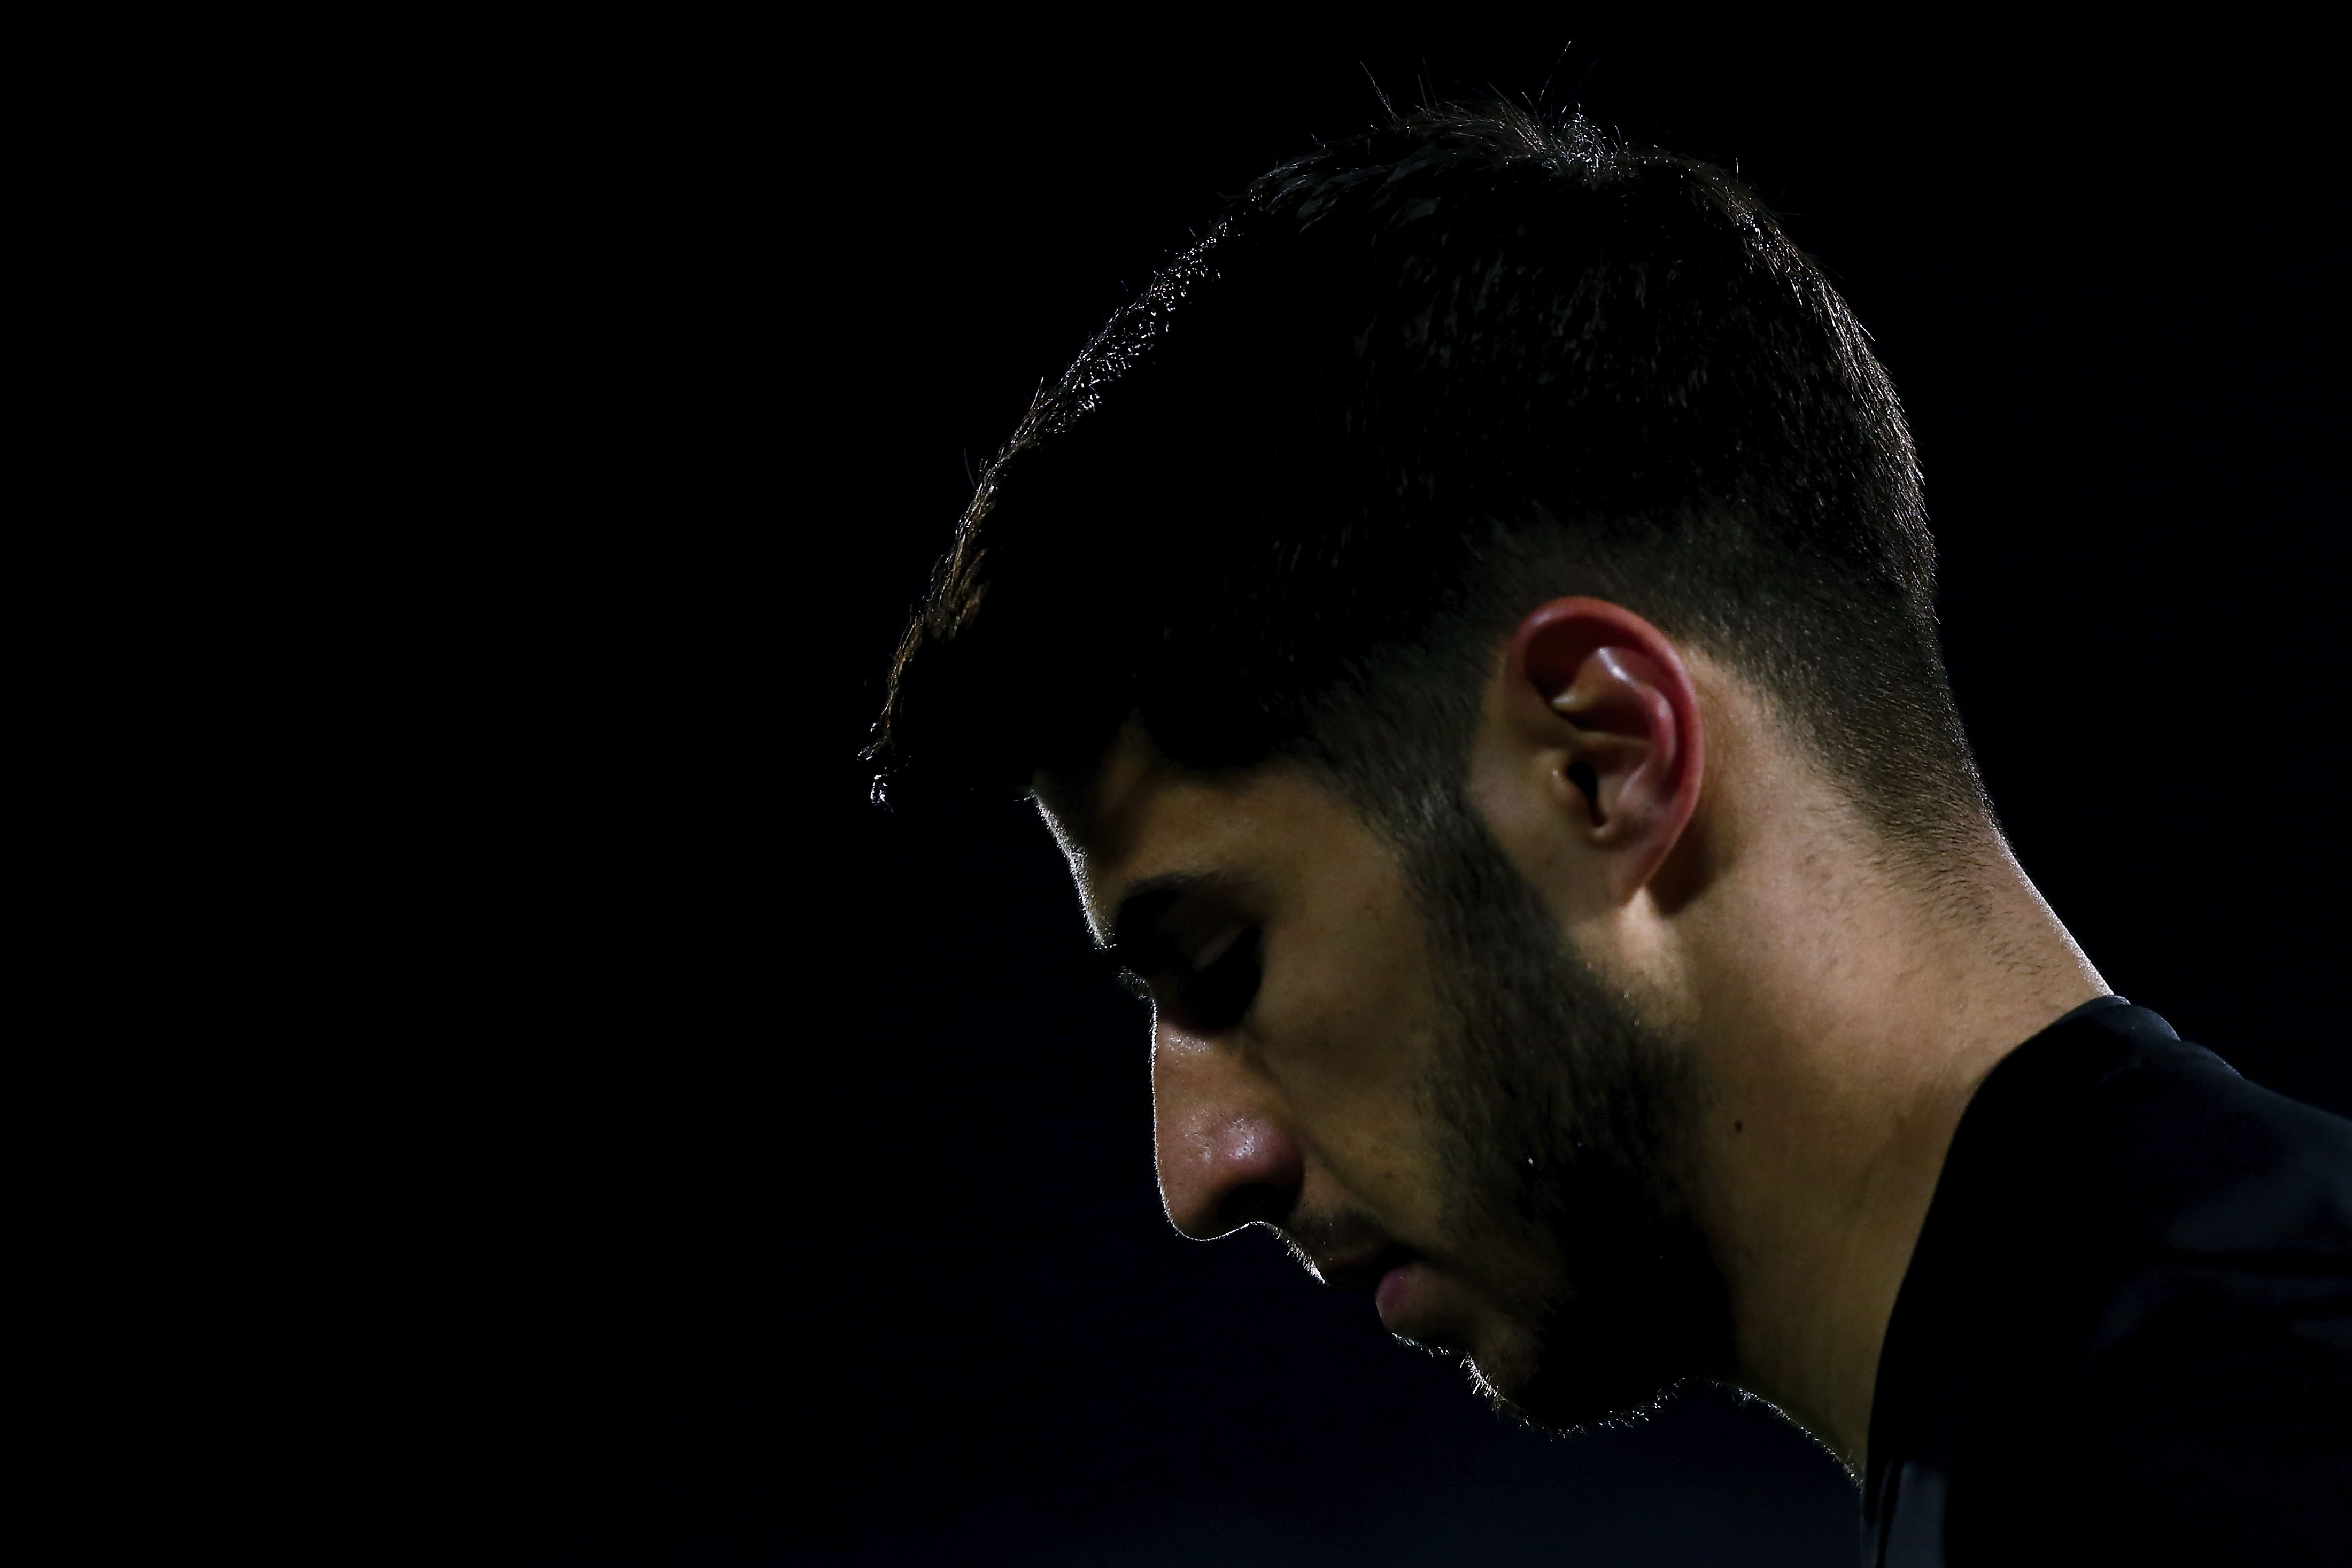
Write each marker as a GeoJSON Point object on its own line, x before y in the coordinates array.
{"type": "Point", "coordinates": [1838, 1050]}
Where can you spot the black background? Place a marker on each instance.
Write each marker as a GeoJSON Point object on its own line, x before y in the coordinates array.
{"type": "Point", "coordinates": [786, 1187]}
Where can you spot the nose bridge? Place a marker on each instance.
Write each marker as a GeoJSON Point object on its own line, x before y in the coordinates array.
{"type": "Point", "coordinates": [1227, 1153]}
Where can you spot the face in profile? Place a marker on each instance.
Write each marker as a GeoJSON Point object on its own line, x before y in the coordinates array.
{"type": "Point", "coordinates": [1380, 1045]}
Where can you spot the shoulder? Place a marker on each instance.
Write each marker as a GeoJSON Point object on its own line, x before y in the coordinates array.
{"type": "Point", "coordinates": [2180, 1156]}
{"type": "Point", "coordinates": [2142, 1329]}
{"type": "Point", "coordinates": [2109, 1137]}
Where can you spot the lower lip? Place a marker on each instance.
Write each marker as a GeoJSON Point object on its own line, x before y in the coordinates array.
{"type": "Point", "coordinates": [1393, 1296]}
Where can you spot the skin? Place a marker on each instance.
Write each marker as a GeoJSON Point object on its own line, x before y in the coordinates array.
{"type": "Point", "coordinates": [1839, 999]}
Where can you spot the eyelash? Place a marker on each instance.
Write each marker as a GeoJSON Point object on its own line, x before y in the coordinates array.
{"type": "Point", "coordinates": [1213, 998]}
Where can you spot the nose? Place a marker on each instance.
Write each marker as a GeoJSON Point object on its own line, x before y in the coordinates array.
{"type": "Point", "coordinates": [1227, 1157]}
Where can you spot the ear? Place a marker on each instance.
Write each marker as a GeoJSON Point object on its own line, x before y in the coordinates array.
{"type": "Point", "coordinates": [1605, 715]}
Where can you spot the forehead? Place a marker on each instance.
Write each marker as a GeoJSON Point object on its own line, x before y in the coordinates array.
{"type": "Point", "coordinates": [1141, 818]}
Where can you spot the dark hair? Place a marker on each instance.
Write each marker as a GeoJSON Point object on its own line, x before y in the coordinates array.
{"type": "Point", "coordinates": [1291, 497]}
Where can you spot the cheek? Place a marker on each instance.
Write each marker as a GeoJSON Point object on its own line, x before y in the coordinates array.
{"type": "Point", "coordinates": [1347, 1026]}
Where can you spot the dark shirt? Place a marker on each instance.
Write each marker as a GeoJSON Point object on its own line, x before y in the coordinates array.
{"type": "Point", "coordinates": [2125, 1336]}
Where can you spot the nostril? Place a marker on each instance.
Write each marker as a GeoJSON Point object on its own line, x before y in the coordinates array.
{"type": "Point", "coordinates": [1259, 1203]}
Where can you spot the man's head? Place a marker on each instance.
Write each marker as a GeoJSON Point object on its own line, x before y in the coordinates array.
{"type": "Point", "coordinates": [1351, 606]}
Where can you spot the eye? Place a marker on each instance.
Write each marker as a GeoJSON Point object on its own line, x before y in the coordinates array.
{"type": "Point", "coordinates": [1215, 997]}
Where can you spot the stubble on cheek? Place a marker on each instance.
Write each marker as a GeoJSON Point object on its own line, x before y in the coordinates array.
{"type": "Point", "coordinates": [1351, 1032]}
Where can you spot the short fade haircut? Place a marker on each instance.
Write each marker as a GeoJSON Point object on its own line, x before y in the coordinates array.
{"type": "Point", "coordinates": [1290, 499]}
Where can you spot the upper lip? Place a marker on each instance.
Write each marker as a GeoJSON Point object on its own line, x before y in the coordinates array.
{"type": "Point", "coordinates": [1362, 1271]}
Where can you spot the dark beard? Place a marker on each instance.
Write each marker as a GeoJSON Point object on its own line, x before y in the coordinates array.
{"type": "Point", "coordinates": [1566, 1120]}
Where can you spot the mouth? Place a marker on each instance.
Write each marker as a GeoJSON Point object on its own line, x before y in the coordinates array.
{"type": "Point", "coordinates": [1403, 1285]}
{"type": "Point", "coordinates": [1363, 1270]}
{"type": "Point", "coordinates": [1416, 1306]}
{"type": "Point", "coordinates": [1392, 1298]}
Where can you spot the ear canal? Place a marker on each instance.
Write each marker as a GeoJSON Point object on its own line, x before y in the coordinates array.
{"type": "Point", "coordinates": [1580, 774]}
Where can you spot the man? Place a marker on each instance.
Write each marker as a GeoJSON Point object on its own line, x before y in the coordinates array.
{"type": "Point", "coordinates": [1469, 624]}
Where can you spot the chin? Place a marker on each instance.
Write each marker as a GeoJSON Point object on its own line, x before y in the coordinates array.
{"type": "Point", "coordinates": [1563, 1388]}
